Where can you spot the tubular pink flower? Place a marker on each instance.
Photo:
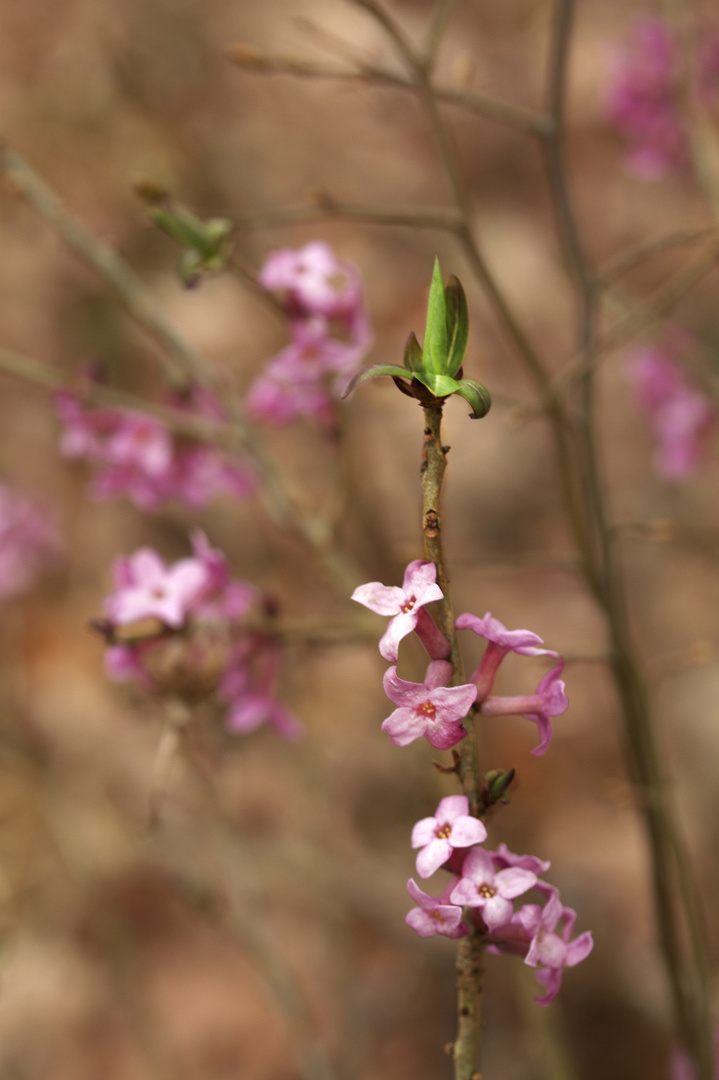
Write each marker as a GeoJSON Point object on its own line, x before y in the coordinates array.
{"type": "Point", "coordinates": [549, 700]}
{"type": "Point", "coordinates": [549, 950]}
{"type": "Point", "coordinates": [432, 708]}
{"type": "Point", "coordinates": [503, 857]}
{"type": "Point", "coordinates": [451, 827]}
{"type": "Point", "coordinates": [419, 588]}
{"type": "Point", "coordinates": [435, 916]}
{"type": "Point", "coordinates": [490, 890]}
{"type": "Point", "coordinates": [500, 642]}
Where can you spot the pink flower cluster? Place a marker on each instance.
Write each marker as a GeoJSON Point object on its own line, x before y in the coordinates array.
{"type": "Point", "coordinates": [679, 414]}
{"type": "Point", "coordinates": [433, 708]}
{"type": "Point", "coordinates": [329, 336]}
{"type": "Point", "coordinates": [644, 96]}
{"type": "Point", "coordinates": [29, 540]}
{"type": "Point", "coordinates": [482, 890]}
{"type": "Point", "coordinates": [135, 455]}
{"type": "Point", "coordinates": [184, 630]}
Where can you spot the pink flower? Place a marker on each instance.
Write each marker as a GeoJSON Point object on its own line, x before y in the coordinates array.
{"type": "Point", "coordinates": [435, 916]}
{"type": "Point", "coordinates": [146, 589]}
{"type": "Point", "coordinates": [135, 455]}
{"type": "Point", "coordinates": [678, 412]}
{"type": "Point", "coordinates": [490, 890]}
{"type": "Point", "coordinates": [503, 857]}
{"type": "Point", "coordinates": [438, 836]}
{"type": "Point", "coordinates": [316, 281]}
{"type": "Point", "coordinates": [643, 101]}
{"type": "Point", "coordinates": [419, 588]}
{"type": "Point", "coordinates": [500, 642]}
{"type": "Point", "coordinates": [29, 541]}
{"type": "Point", "coordinates": [549, 950]}
{"type": "Point", "coordinates": [549, 700]}
{"type": "Point", "coordinates": [431, 708]}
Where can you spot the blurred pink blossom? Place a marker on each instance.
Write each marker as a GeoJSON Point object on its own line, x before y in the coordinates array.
{"type": "Point", "coordinates": [679, 414]}
{"type": "Point", "coordinates": [642, 100]}
{"type": "Point", "coordinates": [203, 643]}
{"type": "Point", "coordinates": [329, 336]}
{"type": "Point", "coordinates": [29, 541]}
{"type": "Point", "coordinates": [135, 455]}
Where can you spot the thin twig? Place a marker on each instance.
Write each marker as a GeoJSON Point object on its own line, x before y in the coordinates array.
{"type": "Point", "coordinates": [326, 207]}
{"type": "Point", "coordinates": [635, 254]}
{"type": "Point", "coordinates": [182, 364]}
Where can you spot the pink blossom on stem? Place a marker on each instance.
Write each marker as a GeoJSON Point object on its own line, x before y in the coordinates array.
{"type": "Point", "coordinates": [403, 604]}
{"type": "Point", "coordinates": [431, 708]}
{"type": "Point", "coordinates": [551, 951]}
{"type": "Point", "coordinates": [146, 589]}
{"type": "Point", "coordinates": [29, 541]}
{"type": "Point", "coordinates": [451, 827]}
{"type": "Point", "coordinates": [549, 700]}
{"type": "Point", "coordinates": [314, 279]}
{"type": "Point", "coordinates": [500, 641]}
{"type": "Point", "coordinates": [679, 413]}
{"type": "Point", "coordinates": [435, 915]}
{"type": "Point", "coordinates": [491, 891]}
{"type": "Point", "coordinates": [135, 455]}
{"type": "Point", "coordinates": [503, 857]}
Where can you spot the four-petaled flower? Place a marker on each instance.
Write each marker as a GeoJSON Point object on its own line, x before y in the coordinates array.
{"type": "Point", "coordinates": [438, 836]}
{"type": "Point", "coordinates": [435, 915]}
{"type": "Point", "coordinates": [549, 700]}
{"type": "Point", "coordinates": [146, 589]}
{"type": "Point", "coordinates": [490, 890]}
{"type": "Point", "coordinates": [550, 951]}
{"type": "Point", "coordinates": [431, 708]}
{"type": "Point", "coordinates": [419, 588]}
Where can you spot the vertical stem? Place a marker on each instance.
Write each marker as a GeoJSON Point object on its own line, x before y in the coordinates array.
{"type": "Point", "coordinates": [470, 948]}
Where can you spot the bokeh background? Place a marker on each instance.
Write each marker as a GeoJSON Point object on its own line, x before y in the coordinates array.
{"type": "Point", "coordinates": [128, 953]}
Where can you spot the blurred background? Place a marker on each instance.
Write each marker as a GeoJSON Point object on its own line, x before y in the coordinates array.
{"type": "Point", "coordinates": [130, 953]}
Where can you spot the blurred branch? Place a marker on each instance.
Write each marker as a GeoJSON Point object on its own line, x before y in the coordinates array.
{"type": "Point", "coordinates": [325, 207]}
{"type": "Point", "coordinates": [443, 12]}
{"type": "Point", "coordinates": [181, 362]}
{"type": "Point", "coordinates": [255, 60]}
{"type": "Point", "coordinates": [635, 254]}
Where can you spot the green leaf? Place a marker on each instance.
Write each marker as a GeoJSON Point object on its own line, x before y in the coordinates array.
{"type": "Point", "coordinates": [440, 385]}
{"type": "Point", "coordinates": [435, 334]}
{"type": "Point", "coordinates": [477, 396]}
{"type": "Point", "coordinates": [374, 372]}
{"type": "Point", "coordinates": [457, 324]}
{"type": "Point", "coordinates": [413, 354]}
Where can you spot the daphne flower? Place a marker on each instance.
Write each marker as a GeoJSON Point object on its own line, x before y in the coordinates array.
{"type": "Point", "coordinates": [315, 280]}
{"type": "Point", "coordinates": [28, 540]}
{"type": "Point", "coordinates": [451, 827]}
{"type": "Point", "coordinates": [146, 589]}
{"type": "Point", "coordinates": [431, 708]}
{"type": "Point", "coordinates": [435, 916]}
{"type": "Point", "coordinates": [549, 700]}
{"type": "Point", "coordinates": [550, 951]}
{"type": "Point", "coordinates": [490, 890]}
{"type": "Point", "coordinates": [678, 412]}
{"type": "Point", "coordinates": [500, 641]}
{"type": "Point", "coordinates": [643, 101]}
{"type": "Point", "coordinates": [503, 857]}
{"type": "Point", "coordinates": [419, 588]}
